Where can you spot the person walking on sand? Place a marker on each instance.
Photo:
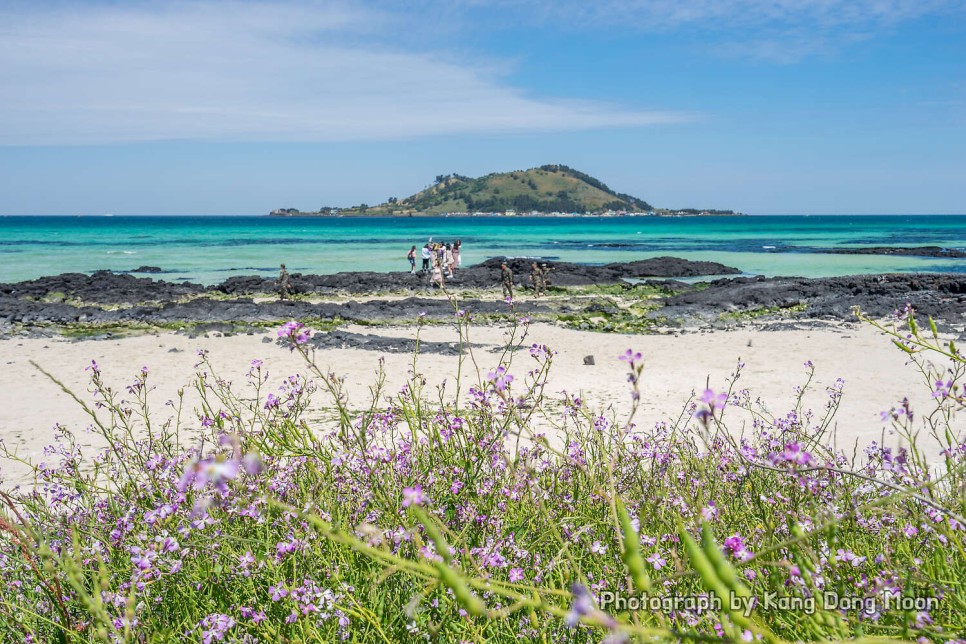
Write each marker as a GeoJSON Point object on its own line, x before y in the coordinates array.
{"type": "Point", "coordinates": [426, 253]}
{"type": "Point", "coordinates": [536, 278]}
{"type": "Point", "coordinates": [412, 260]}
{"type": "Point", "coordinates": [506, 279]}
{"type": "Point", "coordinates": [284, 287]}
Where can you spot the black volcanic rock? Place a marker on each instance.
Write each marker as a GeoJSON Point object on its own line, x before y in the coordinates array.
{"type": "Point", "coordinates": [671, 267]}
{"type": "Point", "coordinates": [483, 275]}
{"type": "Point", "coordinates": [206, 311]}
{"type": "Point", "coordinates": [917, 251]}
{"type": "Point", "coordinates": [345, 340]}
{"type": "Point", "coordinates": [108, 298]}
{"type": "Point", "coordinates": [146, 269]}
{"type": "Point", "coordinates": [569, 274]}
{"type": "Point", "coordinates": [101, 287]}
{"type": "Point", "coordinates": [940, 296]}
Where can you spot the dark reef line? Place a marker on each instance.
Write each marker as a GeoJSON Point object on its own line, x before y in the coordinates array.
{"type": "Point", "coordinates": [630, 297]}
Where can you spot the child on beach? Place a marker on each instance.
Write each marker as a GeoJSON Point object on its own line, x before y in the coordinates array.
{"type": "Point", "coordinates": [437, 277]}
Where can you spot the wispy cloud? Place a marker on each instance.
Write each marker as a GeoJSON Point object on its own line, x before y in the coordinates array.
{"type": "Point", "coordinates": [247, 71]}
{"type": "Point", "coordinates": [775, 30]}
{"type": "Point", "coordinates": [724, 14]}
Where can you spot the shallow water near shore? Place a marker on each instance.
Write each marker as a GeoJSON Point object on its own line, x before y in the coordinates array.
{"type": "Point", "coordinates": [209, 249]}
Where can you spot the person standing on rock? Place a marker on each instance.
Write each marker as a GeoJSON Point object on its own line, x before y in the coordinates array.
{"type": "Point", "coordinates": [506, 279]}
{"type": "Point", "coordinates": [456, 254]}
{"type": "Point", "coordinates": [284, 287]}
{"type": "Point", "coordinates": [411, 256]}
{"type": "Point", "coordinates": [536, 278]}
{"type": "Point", "coordinates": [426, 253]}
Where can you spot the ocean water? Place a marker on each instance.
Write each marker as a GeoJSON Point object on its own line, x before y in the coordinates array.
{"type": "Point", "coordinates": [210, 249]}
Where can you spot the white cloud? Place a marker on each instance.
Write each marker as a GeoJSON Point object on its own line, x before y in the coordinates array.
{"type": "Point", "coordinates": [723, 14]}
{"type": "Point", "coordinates": [775, 30]}
{"type": "Point", "coordinates": [654, 15]}
{"type": "Point", "coordinates": [248, 71]}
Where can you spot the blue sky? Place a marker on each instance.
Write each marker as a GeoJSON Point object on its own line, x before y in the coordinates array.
{"type": "Point", "coordinates": [212, 107]}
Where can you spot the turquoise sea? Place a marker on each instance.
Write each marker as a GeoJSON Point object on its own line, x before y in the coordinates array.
{"type": "Point", "coordinates": [210, 249]}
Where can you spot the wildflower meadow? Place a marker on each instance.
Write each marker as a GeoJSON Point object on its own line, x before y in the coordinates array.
{"type": "Point", "coordinates": [496, 511]}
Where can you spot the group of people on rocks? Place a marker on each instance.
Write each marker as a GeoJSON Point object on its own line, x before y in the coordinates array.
{"type": "Point", "coordinates": [440, 260]}
{"type": "Point", "coordinates": [539, 278]}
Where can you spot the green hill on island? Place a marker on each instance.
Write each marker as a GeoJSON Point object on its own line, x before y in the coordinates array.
{"type": "Point", "coordinates": [547, 189]}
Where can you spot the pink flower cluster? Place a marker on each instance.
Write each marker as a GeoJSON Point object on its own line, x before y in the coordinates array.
{"type": "Point", "coordinates": [296, 332]}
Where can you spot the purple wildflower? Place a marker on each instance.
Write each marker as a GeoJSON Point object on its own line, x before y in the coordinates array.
{"type": "Point", "coordinates": [540, 351]}
{"type": "Point", "coordinates": [252, 464]}
{"type": "Point", "coordinates": [631, 357]}
{"type": "Point", "coordinates": [500, 378]}
{"type": "Point", "coordinates": [297, 332]}
{"type": "Point", "coordinates": [414, 496]}
{"type": "Point", "coordinates": [582, 606]}
{"type": "Point", "coordinates": [215, 626]}
{"type": "Point", "coordinates": [794, 455]}
{"type": "Point", "coordinates": [713, 400]}
{"type": "Point", "coordinates": [142, 559]}
{"type": "Point", "coordinates": [214, 470]}
{"type": "Point", "coordinates": [709, 512]}
{"type": "Point", "coordinates": [735, 546]}
{"type": "Point", "coordinates": [942, 389]}
{"type": "Point", "coordinates": [847, 556]}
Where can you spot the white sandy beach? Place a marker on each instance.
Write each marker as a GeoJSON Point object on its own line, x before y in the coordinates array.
{"type": "Point", "coordinates": [875, 372]}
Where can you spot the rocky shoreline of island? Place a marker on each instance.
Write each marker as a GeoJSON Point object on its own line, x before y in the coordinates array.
{"type": "Point", "coordinates": [357, 213]}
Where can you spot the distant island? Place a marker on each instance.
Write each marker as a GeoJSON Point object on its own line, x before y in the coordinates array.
{"type": "Point", "coordinates": [547, 190]}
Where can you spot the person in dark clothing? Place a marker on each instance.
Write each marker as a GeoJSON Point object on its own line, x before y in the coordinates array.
{"type": "Point", "coordinates": [506, 279]}
{"type": "Point", "coordinates": [536, 277]}
{"type": "Point", "coordinates": [283, 283]}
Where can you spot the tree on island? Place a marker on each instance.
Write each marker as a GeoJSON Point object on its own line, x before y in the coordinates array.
{"type": "Point", "coordinates": [546, 189]}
